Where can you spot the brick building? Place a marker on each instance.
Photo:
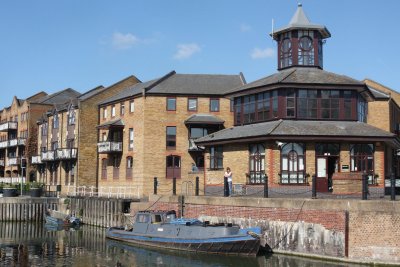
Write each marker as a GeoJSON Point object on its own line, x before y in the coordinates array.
{"type": "Point", "coordinates": [67, 139]}
{"type": "Point", "coordinates": [147, 130]}
{"type": "Point", "coordinates": [18, 131]}
{"type": "Point", "coordinates": [303, 121]}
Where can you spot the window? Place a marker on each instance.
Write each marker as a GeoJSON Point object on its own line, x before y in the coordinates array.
{"type": "Point", "coordinates": [104, 113]}
{"type": "Point", "coordinates": [292, 164]}
{"type": "Point", "coordinates": [216, 158]}
{"type": "Point", "coordinates": [256, 164]}
{"type": "Point", "coordinates": [72, 177]}
{"type": "Point", "coordinates": [113, 111]}
{"type": "Point", "coordinates": [55, 121]}
{"type": "Point", "coordinates": [192, 104]}
{"type": "Point", "coordinates": [171, 137]}
{"type": "Point", "coordinates": [116, 164]}
{"type": "Point", "coordinates": [290, 103]}
{"type": "Point", "coordinates": [249, 109]}
{"type": "Point", "coordinates": [173, 164]}
{"type": "Point", "coordinates": [305, 48]}
{"type": "Point", "coordinates": [362, 158]}
{"type": "Point", "coordinates": [214, 105]}
{"type": "Point", "coordinates": [171, 103]}
{"type": "Point", "coordinates": [131, 136]}
{"type": "Point", "coordinates": [362, 109]}
{"type": "Point", "coordinates": [285, 51]}
{"type": "Point", "coordinates": [54, 145]}
{"type": "Point", "coordinates": [307, 104]}
{"type": "Point", "coordinates": [129, 167]}
{"type": "Point", "coordinates": [231, 105]}
{"type": "Point", "coordinates": [131, 106]}
{"type": "Point", "coordinates": [71, 117]}
{"type": "Point", "coordinates": [104, 136]}
{"type": "Point", "coordinates": [330, 104]}
{"type": "Point", "coordinates": [44, 129]}
{"type": "Point", "coordinates": [122, 109]}
{"type": "Point", "coordinates": [347, 104]}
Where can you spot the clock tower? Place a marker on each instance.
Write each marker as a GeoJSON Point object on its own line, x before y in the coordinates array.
{"type": "Point", "coordinates": [300, 42]}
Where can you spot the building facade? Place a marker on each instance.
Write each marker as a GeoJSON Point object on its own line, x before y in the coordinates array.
{"type": "Point", "coordinates": [302, 121]}
{"type": "Point", "coordinates": [147, 131]}
{"type": "Point", "coordinates": [67, 138]}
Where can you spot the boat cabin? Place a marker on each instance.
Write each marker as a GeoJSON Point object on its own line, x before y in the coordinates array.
{"type": "Point", "coordinates": [155, 216]}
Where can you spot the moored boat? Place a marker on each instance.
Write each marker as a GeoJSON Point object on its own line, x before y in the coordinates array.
{"type": "Point", "coordinates": [161, 229]}
{"type": "Point", "coordinates": [54, 217]}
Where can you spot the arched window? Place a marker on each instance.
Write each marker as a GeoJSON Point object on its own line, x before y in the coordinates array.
{"type": "Point", "coordinates": [362, 158]}
{"type": "Point", "coordinates": [306, 48]}
{"type": "Point", "coordinates": [256, 164]}
{"type": "Point", "coordinates": [292, 164]}
{"type": "Point", "coordinates": [129, 167]}
{"type": "Point", "coordinates": [286, 51]}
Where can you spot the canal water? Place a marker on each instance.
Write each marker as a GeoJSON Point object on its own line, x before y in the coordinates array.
{"type": "Point", "coordinates": [28, 244]}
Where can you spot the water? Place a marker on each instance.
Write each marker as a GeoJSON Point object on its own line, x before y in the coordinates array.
{"type": "Point", "coordinates": [27, 244]}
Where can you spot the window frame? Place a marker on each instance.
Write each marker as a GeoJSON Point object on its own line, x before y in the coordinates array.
{"type": "Point", "coordinates": [168, 107]}
{"type": "Point", "coordinates": [122, 109]}
{"type": "Point", "coordinates": [295, 158]}
{"type": "Point", "coordinates": [188, 104]}
{"type": "Point", "coordinates": [211, 104]}
{"type": "Point", "coordinates": [131, 106]}
{"type": "Point", "coordinates": [216, 158]}
{"type": "Point", "coordinates": [170, 137]}
{"type": "Point", "coordinates": [131, 139]}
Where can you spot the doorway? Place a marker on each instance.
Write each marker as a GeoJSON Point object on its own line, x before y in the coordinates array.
{"type": "Point", "coordinates": [327, 163]}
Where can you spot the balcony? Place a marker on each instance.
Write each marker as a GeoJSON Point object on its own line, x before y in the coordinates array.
{"type": "Point", "coordinates": [2, 163]}
{"type": "Point", "coordinates": [37, 160]}
{"type": "Point", "coordinates": [10, 125]}
{"type": "Point", "coordinates": [3, 144]}
{"type": "Point", "coordinates": [109, 147]}
{"type": "Point", "coordinates": [48, 156]}
{"type": "Point", "coordinates": [17, 142]}
{"type": "Point", "coordinates": [66, 153]}
{"type": "Point", "coordinates": [13, 161]}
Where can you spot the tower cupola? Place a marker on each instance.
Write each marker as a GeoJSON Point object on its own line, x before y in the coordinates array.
{"type": "Point", "coordinates": [300, 42]}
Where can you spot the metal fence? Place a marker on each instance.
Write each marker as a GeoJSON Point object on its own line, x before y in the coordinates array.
{"type": "Point", "coordinates": [119, 192]}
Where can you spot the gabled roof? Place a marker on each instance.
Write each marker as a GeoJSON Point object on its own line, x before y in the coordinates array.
{"type": "Point", "coordinates": [182, 84]}
{"type": "Point", "coordinates": [291, 129]}
{"type": "Point", "coordinates": [300, 76]}
{"type": "Point", "coordinates": [301, 21]}
{"type": "Point", "coordinates": [91, 92]}
{"type": "Point", "coordinates": [378, 94]}
{"type": "Point", "coordinates": [59, 97]}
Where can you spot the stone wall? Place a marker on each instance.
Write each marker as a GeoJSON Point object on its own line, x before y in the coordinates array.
{"type": "Point", "coordinates": [355, 230]}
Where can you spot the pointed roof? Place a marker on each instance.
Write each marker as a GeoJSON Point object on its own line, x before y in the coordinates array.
{"type": "Point", "coordinates": [300, 21]}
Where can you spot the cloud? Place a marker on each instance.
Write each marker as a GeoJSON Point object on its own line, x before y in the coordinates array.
{"type": "Point", "coordinates": [124, 41]}
{"type": "Point", "coordinates": [245, 27]}
{"type": "Point", "coordinates": [186, 50]}
{"type": "Point", "coordinates": [262, 53]}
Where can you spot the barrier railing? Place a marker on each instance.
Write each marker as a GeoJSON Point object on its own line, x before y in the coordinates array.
{"type": "Point", "coordinates": [122, 192]}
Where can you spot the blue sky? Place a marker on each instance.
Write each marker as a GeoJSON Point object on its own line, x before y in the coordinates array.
{"type": "Point", "coordinates": [52, 45]}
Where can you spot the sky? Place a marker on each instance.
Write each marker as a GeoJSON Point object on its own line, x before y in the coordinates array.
{"type": "Point", "coordinates": [49, 45]}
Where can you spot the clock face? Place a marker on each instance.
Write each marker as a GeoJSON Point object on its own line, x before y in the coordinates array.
{"type": "Point", "coordinates": [305, 43]}
{"type": "Point", "coordinates": [286, 45]}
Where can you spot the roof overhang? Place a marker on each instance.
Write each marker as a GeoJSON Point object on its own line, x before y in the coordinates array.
{"type": "Point", "coordinates": [111, 124]}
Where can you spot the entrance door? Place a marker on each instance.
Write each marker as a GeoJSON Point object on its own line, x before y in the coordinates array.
{"type": "Point", "coordinates": [173, 167]}
{"type": "Point", "coordinates": [322, 174]}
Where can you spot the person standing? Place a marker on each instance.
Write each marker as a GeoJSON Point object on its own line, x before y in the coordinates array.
{"type": "Point", "coordinates": [228, 175]}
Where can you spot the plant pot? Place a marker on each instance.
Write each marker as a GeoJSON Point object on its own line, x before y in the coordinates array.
{"type": "Point", "coordinates": [36, 192]}
{"type": "Point", "coordinates": [9, 192]}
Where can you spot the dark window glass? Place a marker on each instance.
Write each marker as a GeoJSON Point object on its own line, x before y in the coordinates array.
{"type": "Point", "coordinates": [171, 136]}
{"type": "Point", "coordinates": [192, 104]}
{"type": "Point", "coordinates": [214, 105]}
{"type": "Point", "coordinates": [171, 103]}
{"type": "Point", "coordinates": [216, 157]}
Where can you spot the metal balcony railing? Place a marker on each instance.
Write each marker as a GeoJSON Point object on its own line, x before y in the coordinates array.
{"type": "Point", "coordinates": [3, 144]}
{"type": "Point", "coordinates": [9, 125]}
{"type": "Point", "coordinates": [36, 159]}
{"type": "Point", "coordinates": [2, 163]}
{"type": "Point", "coordinates": [13, 161]}
{"type": "Point", "coordinates": [16, 142]}
{"type": "Point", "coordinates": [109, 147]}
{"type": "Point", "coordinates": [66, 153]}
{"type": "Point", "coordinates": [48, 156]}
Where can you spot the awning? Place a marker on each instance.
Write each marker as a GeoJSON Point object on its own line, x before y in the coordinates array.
{"type": "Point", "coordinates": [111, 124]}
{"type": "Point", "coordinates": [203, 119]}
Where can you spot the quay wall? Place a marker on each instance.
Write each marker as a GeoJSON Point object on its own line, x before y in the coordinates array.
{"type": "Point", "coordinates": [25, 209]}
{"type": "Point", "coordinates": [349, 230]}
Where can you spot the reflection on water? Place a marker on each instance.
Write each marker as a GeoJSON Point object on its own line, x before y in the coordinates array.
{"type": "Point", "coordinates": [27, 244]}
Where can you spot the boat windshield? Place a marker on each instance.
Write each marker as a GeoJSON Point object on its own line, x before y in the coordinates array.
{"type": "Point", "coordinates": [143, 218]}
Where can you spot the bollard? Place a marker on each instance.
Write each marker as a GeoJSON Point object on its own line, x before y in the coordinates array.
{"type": "Point", "coordinates": [155, 186]}
{"type": "Point", "coordinates": [197, 186]}
{"type": "Point", "coordinates": [364, 186]}
{"type": "Point", "coordinates": [174, 186]}
{"type": "Point", "coordinates": [392, 187]}
{"type": "Point", "coordinates": [265, 186]}
{"type": "Point", "coordinates": [314, 187]}
{"type": "Point", "coordinates": [226, 187]}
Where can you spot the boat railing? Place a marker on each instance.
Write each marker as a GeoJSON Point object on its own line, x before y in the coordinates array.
{"type": "Point", "coordinates": [122, 192]}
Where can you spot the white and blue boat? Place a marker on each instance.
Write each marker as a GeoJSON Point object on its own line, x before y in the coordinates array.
{"type": "Point", "coordinates": [162, 229]}
{"type": "Point", "coordinates": [57, 218]}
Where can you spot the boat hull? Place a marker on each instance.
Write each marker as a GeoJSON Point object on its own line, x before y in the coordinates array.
{"type": "Point", "coordinates": [246, 246]}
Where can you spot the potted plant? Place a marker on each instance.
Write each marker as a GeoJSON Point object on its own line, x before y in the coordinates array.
{"type": "Point", "coordinates": [35, 189]}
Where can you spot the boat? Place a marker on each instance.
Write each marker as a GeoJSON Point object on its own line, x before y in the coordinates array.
{"type": "Point", "coordinates": [54, 217]}
{"type": "Point", "coordinates": [161, 229]}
